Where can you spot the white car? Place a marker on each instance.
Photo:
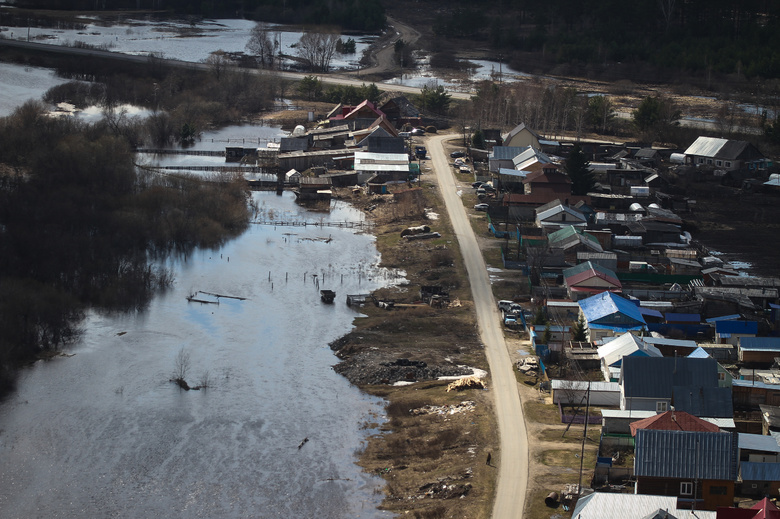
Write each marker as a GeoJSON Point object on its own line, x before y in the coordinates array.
{"type": "Point", "coordinates": [482, 207]}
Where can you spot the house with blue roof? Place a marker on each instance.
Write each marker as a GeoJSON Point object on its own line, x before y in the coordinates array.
{"type": "Point", "coordinates": [699, 468]}
{"type": "Point", "coordinates": [760, 479]}
{"type": "Point", "coordinates": [730, 332]}
{"type": "Point", "coordinates": [758, 350]}
{"type": "Point", "coordinates": [610, 315]}
{"type": "Point", "coordinates": [688, 384]}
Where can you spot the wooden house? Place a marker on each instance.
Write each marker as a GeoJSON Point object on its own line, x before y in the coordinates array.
{"type": "Point", "coordinates": [724, 154]}
{"type": "Point", "coordinates": [697, 467]}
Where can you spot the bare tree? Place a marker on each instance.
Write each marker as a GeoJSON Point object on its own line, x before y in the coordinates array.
{"type": "Point", "coordinates": [182, 365]}
{"type": "Point", "coordinates": [667, 7]}
{"type": "Point", "coordinates": [318, 49]}
{"type": "Point", "coordinates": [218, 62]}
{"type": "Point", "coordinates": [260, 45]}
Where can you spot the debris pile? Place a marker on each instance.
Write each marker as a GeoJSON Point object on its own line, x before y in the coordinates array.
{"type": "Point", "coordinates": [363, 368]}
{"type": "Point", "coordinates": [463, 407]}
{"type": "Point", "coordinates": [472, 382]}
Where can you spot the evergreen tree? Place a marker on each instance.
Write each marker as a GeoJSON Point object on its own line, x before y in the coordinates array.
{"type": "Point", "coordinates": [578, 330]}
{"type": "Point", "coordinates": [577, 167]}
{"type": "Point", "coordinates": [540, 317]}
{"type": "Point", "coordinates": [478, 140]}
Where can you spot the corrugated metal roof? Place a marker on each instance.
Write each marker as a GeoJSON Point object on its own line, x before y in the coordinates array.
{"type": "Point", "coordinates": [758, 442]}
{"type": "Point", "coordinates": [626, 413]}
{"type": "Point", "coordinates": [626, 345]}
{"type": "Point", "coordinates": [512, 173]}
{"type": "Point", "coordinates": [507, 152]}
{"type": "Point", "coordinates": [560, 208]}
{"type": "Point", "coordinates": [682, 455]}
{"type": "Point", "coordinates": [682, 318]}
{"type": "Point", "coordinates": [602, 505]}
{"type": "Point", "coordinates": [732, 317]}
{"type": "Point", "coordinates": [663, 341]}
{"type": "Point", "coordinates": [704, 401]}
{"type": "Point", "coordinates": [603, 305]}
{"type": "Point", "coordinates": [759, 344]}
{"type": "Point", "coordinates": [752, 471]}
{"type": "Point", "coordinates": [698, 353]}
{"type": "Point", "coordinates": [738, 327]}
{"type": "Point", "coordinates": [723, 423]}
{"type": "Point", "coordinates": [706, 146]}
{"type": "Point", "coordinates": [582, 385]}
{"type": "Point", "coordinates": [650, 377]}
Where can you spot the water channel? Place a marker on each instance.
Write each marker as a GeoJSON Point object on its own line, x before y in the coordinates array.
{"type": "Point", "coordinates": [104, 433]}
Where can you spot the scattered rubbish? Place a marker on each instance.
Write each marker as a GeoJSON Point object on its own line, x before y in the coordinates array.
{"type": "Point", "coordinates": [303, 442]}
{"type": "Point", "coordinates": [465, 406]}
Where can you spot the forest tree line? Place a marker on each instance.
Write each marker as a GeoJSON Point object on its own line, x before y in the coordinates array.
{"type": "Point", "coordinates": [735, 37]}
{"type": "Point", "coordinates": [356, 15]}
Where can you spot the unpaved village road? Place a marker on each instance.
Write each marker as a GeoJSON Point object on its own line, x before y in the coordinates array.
{"type": "Point", "coordinates": [513, 458]}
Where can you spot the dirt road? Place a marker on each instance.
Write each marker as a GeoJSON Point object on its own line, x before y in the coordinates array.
{"type": "Point", "coordinates": [513, 458]}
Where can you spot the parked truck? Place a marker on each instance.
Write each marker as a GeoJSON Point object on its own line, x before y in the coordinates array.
{"type": "Point", "coordinates": [420, 152]}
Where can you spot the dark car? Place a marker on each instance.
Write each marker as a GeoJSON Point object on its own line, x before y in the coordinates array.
{"type": "Point", "coordinates": [476, 184]}
{"type": "Point", "coordinates": [457, 154]}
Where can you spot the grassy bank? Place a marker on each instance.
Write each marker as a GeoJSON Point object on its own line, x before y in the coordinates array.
{"type": "Point", "coordinates": [433, 447]}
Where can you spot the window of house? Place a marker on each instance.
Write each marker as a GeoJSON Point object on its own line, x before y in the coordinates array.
{"type": "Point", "coordinates": [709, 161]}
{"type": "Point", "coordinates": [718, 490]}
{"type": "Point", "coordinates": [660, 407]}
{"type": "Point", "coordinates": [700, 160]}
{"type": "Point", "coordinates": [721, 376]}
{"type": "Point", "coordinates": [686, 488]}
{"type": "Point", "coordinates": [718, 162]}
{"type": "Point", "coordinates": [728, 164]}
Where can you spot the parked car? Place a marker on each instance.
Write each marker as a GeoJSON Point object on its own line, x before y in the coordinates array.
{"type": "Point", "coordinates": [457, 154]}
{"type": "Point", "coordinates": [505, 304]}
{"type": "Point", "coordinates": [476, 184]}
{"type": "Point", "coordinates": [418, 131]}
{"type": "Point", "coordinates": [482, 207]}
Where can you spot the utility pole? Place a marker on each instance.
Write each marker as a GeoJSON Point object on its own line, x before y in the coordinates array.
{"type": "Point", "coordinates": [584, 437]}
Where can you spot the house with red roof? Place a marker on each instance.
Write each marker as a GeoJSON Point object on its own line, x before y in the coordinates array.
{"type": "Point", "coordinates": [587, 279]}
{"type": "Point", "coordinates": [764, 509]}
{"type": "Point", "coordinates": [357, 117]}
{"type": "Point", "coordinates": [674, 421]}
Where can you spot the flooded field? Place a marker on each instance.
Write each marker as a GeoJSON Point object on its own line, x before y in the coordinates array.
{"type": "Point", "coordinates": [105, 433]}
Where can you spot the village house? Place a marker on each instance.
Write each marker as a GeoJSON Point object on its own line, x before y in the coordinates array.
{"type": "Point", "coordinates": [612, 353]}
{"type": "Point", "coordinates": [731, 331]}
{"type": "Point", "coordinates": [699, 468]}
{"type": "Point", "coordinates": [758, 350]}
{"type": "Point", "coordinates": [502, 157]}
{"type": "Point", "coordinates": [588, 278]}
{"type": "Point", "coordinates": [602, 505]}
{"type": "Point", "coordinates": [764, 509]}
{"type": "Point", "coordinates": [521, 136]}
{"type": "Point", "coordinates": [609, 315]}
{"type": "Point", "coordinates": [356, 117]}
{"type": "Point", "coordinates": [688, 384]}
{"type": "Point", "coordinates": [724, 154]}
{"type": "Point", "coordinates": [555, 216]}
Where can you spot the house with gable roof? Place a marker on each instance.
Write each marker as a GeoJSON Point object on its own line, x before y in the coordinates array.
{"type": "Point", "coordinates": [588, 278]}
{"type": "Point", "coordinates": [609, 315]}
{"type": "Point", "coordinates": [699, 468]}
{"type": "Point", "coordinates": [502, 157]}
{"type": "Point", "coordinates": [724, 154]}
{"type": "Point", "coordinates": [357, 117]}
{"type": "Point", "coordinates": [573, 240]}
{"type": "Point", "coordinates": [674, 421]}
{"type": "Point", "coordinates": [764, 509]}
{"type": "Point", "coordinates": [612, 353]}
{"type": "Point", "coordinates": [555, 216]}
{"type": "Point", "coordinates": [521, 135]}
{"type": "Point", "coordinates": [603, 505]}
{"type": "Point", "coordinates": [688, 384]}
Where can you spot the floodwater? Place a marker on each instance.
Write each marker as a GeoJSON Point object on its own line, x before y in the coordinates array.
{"type": "Point", "coordinates": [21, 83]}
{"type": "Point", "coordinates": [192, 42]}
{"type": "Point", "coordinates": [104, 433]}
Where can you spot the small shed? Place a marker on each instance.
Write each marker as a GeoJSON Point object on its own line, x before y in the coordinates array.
{"type": "Point", "coordinates": [576, 392]}
{"type": "Point", "coordinates": [760, 479]}
{"type": "Point", "coordinates": [758, 350]}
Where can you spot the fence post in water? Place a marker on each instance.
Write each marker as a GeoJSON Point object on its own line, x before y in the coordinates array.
{"type": "Point", "coordinates": [285, 277]}
{"type": "Point", "coordinates": [269, 275]}
{"type": "Point", "coordinates": [304, 277]}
